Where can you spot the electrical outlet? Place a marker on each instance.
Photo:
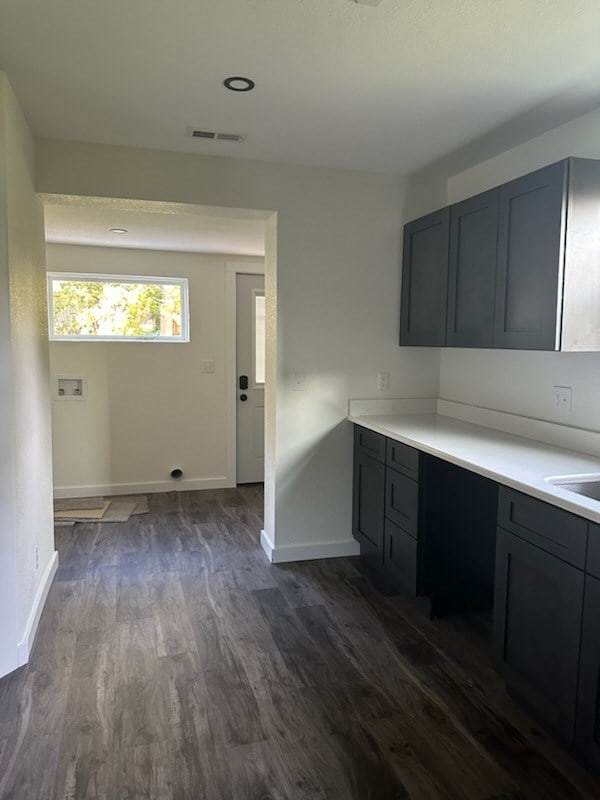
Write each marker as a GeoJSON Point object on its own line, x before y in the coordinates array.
{"type": "Point", "coordinates": [563, 398]}
{"type": "Point", "coordinates": [383, 381]}
{"type": "Point", "coordinates": [207, 365]}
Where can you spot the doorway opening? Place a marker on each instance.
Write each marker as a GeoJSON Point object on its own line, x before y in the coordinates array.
{"type": "Point", "coordinates": [250, 375]}
{"type": "Point", "coordinates": [156, 409]}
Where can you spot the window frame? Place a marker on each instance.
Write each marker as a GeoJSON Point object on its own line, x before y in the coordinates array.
{"type": "Point", "coordinates": [255, 383]}
{"type": "Point", "coordinates": [93, 277]}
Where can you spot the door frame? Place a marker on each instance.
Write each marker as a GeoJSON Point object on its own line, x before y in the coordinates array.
{"type": "Point", "coordinates": [232, 270]}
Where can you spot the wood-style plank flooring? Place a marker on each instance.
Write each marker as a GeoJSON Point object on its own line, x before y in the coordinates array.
{"type": "Point", "coordinates": [172, 662]}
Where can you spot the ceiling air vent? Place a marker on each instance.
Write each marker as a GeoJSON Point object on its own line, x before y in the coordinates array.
{"type": "Point", "coordinates": [230, 137]}
{"type": "Point", "coordinates": [215, 136]}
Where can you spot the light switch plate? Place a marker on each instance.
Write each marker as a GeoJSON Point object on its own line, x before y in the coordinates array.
{"type": "Point", "coordinates": [563, 398]}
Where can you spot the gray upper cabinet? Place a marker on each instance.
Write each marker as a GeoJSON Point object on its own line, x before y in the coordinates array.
{"type": "Point", "coordinates": [522, 261]}
{"type": "Point", "coordinates": [424, 281]}
{"type": "Point", "coordinates": [530, 253]}
{"type": "Point", "coordinates": [472, 269]}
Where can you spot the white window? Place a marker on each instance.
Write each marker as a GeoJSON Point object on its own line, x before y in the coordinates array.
{"type": "Point", "coordinates": [259, 338]}
{"type": "Point", "coordinates": [117, 308]}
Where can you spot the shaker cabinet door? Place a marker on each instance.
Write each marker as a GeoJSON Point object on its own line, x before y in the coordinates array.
{"type": "Point", "coordinates": [588, 706]}
{"type": "Point", "coordinates": [368, 495]}
{"type": "Point", "coordinates": [401, 558]}
{"type": "Point", "coordinates": [425, 281]}
{"type": "Point", "coordinates": [472, 271]}
{"type": "Point", "coordinates": [538, 605]}
{"type": "Point", "coordinates": [531, 230]}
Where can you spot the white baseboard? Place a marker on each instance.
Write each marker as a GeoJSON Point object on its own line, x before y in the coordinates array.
{"type": "Point", "coordinates": [26, 643]}
{"type": "Point", "coordinates": [307, 552]}
{"type": "Point", "coordinates": [98, 490]}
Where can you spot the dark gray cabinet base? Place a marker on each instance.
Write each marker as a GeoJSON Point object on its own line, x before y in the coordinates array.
{"type": "Point", "coordinates": [458, 542]}
{"type": "Point", "coordinates": [587, 733]}
{"type": "Point", "coordinates": [369, 492]}
{"type": "Point", "coordinates": [400, 558]}
{"type": "Point", "coordinates": [537, 624]}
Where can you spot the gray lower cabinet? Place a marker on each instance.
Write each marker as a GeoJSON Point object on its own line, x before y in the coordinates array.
{"type": "Point", "coordinates": [369, 494]}
{"type": "Point", "coordinates": [419, 524]}
{"type": "Point", "coordinates": [400, 558]}
{"type": "Point", "coordinates": [587, 733]}
{"type": "Point", "coordinates": [385, 507]}
{"type": "Point", "coordinates": [538, 607]}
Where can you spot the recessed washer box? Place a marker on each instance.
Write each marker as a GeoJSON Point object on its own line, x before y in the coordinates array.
{"type": "Point", "coordinates": [70, 387]}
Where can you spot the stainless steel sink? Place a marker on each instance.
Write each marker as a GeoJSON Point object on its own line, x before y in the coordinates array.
{"type": "Point", "coordinates": [586, 485]}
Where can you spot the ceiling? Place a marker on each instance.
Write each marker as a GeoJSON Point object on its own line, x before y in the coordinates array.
{"type": "Point", "coordinates": [391, 87]}
{"type": "Point", "coordinates": [154, 226]}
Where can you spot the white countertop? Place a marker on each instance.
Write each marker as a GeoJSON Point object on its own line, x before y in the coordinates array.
{"type": "Point", "coordinates": [514, 461]}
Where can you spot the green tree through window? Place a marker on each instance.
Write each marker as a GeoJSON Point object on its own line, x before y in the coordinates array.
{"type": "Point", "coordinates": [102, 308]}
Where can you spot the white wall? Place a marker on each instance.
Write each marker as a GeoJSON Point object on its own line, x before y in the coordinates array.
{"type": "Point", "coordinates": [521, 382]}
{"type": "Point", "coordinates": [148, 409]}
{"type": "Point", "coordinates": [26, 533]}
{"type": "Point", "coordinates": [337, 297]}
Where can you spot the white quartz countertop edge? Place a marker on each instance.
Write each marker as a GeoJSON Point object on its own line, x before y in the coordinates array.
{"type": "Point", "coordinates": [510, 460]}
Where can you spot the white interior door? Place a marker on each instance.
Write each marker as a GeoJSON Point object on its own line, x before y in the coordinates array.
{"type": "Point", "coordinates": [250, 304]}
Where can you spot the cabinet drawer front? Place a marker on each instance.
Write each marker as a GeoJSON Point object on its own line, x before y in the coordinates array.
{"type": "Point", "coordinates": [400, 558]}
{"type": "Point", "coordinates": [403, 458]}
{"type": "Point", "coordinates": [370, 443]}
{"type": "Point", "coordinates": [552, 529]}
{"type": "Point", "coordinates": [402, 501]}
{"type": "Point", "coordinates": [593, 556]}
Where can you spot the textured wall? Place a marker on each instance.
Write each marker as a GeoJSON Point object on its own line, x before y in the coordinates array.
{"type": "Point", "coordinates": [25, 456]}
{"type": "Point", "coordinates": [337, 296]}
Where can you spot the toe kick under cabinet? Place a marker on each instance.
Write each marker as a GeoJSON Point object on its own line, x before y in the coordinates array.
{"type": "Point", "coordinates": [461, 542]}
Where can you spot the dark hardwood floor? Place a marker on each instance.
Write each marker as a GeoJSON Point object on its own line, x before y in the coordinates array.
{"type": "Point", "coordinates": [172, 661]}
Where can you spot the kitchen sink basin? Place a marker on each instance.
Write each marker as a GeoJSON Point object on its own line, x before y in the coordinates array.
{"type": "Point", "coordinates": [586, 485]}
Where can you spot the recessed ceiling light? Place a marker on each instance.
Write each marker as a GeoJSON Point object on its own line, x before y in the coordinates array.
{"type": "Point", "coordinates": [118, 230]}
{"type": "Point", "coordinates": [239, 84]}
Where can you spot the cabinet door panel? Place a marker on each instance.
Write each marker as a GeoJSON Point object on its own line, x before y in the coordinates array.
{"type": "Point", "coordinates": [593, 553]}
{"type": "Point", "coordinates": [402, 501]}
{"type": "Point", "coordinates": [425, 280]}
{"type": "Point", "coordinates": [588, 705]}
{"type": "Point", "coordinates": [369, 493]}
{"type": "Point", "coordinates": [400, 558]}
{"type": "Point", "coordinates": [538, 605]}
{"type": "Point", "coordinates": [472, 271]}
{"type": "Point", "coordinates": [531, 232]}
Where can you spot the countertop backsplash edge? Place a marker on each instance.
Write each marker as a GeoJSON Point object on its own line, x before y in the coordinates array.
{"type": "Point", "coordinates": [559, 434]}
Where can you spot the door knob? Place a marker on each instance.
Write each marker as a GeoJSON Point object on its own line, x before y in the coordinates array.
{"type": "Point", "coordinates": [243, 382]}
{"type": "Point", "coordinates": [243, 397]}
